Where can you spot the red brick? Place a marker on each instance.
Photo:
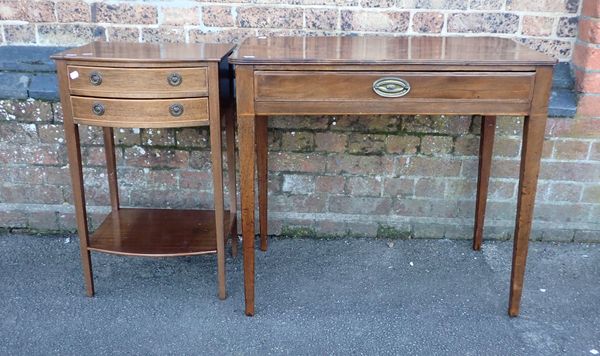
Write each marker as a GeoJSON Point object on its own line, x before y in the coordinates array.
{"type": "Point", "coordinates": [595, 151]}
{"type": "Point", "coordinates": [149, 157]}
{"type": "Point", "coordinates": [31, 194]}
{"type": "Point", "coordinates": [73, 11]}
{"type": "Point", "coordinates": [506, 147]}
{"type": "Point", "coordinates": [399, 187]}
{"type": "Point", "coordinates": [591, 8]}
{"type": "Point", "coordinates": [591, 194]}
{"type": "Point", "coordinates": [402, 144]}
{"type": "Point", "coordinates": [330, 184]}
{"type": "Point", "coordinates": [298, 184]}
{"type": "Point", "coordinates": [389, 21]}
{"type": "Point", "coordinates": [311, 203]}
{"type": "Point", "coordinates": [580, 126]}
{"type": "Point", "coordinates": [586, 57]}
{"type": "Point", "coordinates": [569, 192]}
{"type": "Point", "coordinates": [366, 144]}
{"type": "Point", "coordinates": [330, 142]}
{"type": "Point", "coordinates": [364, 186]}
{"type": "Point", "coordinates": [429, 187]}
{"type": "Point", "coordinates": [426, 166]}
{"type": "Point", "coordinates": [297, 162]}
{"type": "Point", "coordinates": [125, 13]}
{"type": "Point", "coordinates": [43, 220]}
{"type": "Point", "coordinates": [298, 141]}
{"type": "Point", "coordinates": [466, 146]}
{"type": "Point", "coordinates": [428, 22]}
{"type": "Point", "coordinates": [589, 105]}
{"type": "Point", "coordinates": [368, 165]}
{"type": "Point", "coordinates": [571, 150]}
{"type": "Point", "coordinates": [195, 180]}
{"type": "Point", "coordinates": [587, 82]}
{"type": "Point", "coordinates": [269, 17]}
{"type": "Point", "coordinates": [570, 171]}
{"type": "Point", "coordinates": [537, 25]}
{"type": "Point", "coordinates": [321, 19]}
{"type": "Point", "coordinates": [359, 205]}
{"type": "Point", "coordinates": [180, 16]}
{"type": "Point", "coordinates": [436, 145]}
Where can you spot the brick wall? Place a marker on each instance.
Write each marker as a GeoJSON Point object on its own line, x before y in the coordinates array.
{"type": "Point", "coordinates": [400, 176]}
{"type": "Point", "coordinates": [547, 25]}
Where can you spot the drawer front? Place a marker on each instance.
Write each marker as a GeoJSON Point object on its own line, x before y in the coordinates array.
{"type": "Point", "coordinates": [138, 82]}
{"type": "Point", "coordinates": [140, 113]}
{"type": "Point", "coordinates": [393, 86]}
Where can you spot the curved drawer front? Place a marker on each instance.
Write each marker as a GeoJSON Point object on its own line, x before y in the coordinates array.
{"type": "Point", "coordinates": [138, 82]}
{"type": "Point", "coordinates": [325, 86]}
{"type": "Point", "coordinates": [140, 113]}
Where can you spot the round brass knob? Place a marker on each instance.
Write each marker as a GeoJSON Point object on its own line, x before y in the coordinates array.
{"type": "Point", "coordinates": [174, 79]}
{"type": "Point", "coordinates": [176, 110]}
{"type": "Point", "coordinates": [98, 109]}
{"type": "Point", "coordinates": [95, 78]}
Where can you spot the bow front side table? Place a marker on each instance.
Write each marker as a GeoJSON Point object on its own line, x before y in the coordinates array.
{"type": "Point", "coordinates": [112, 84]}
{"type": "Point", "coordinates": [392, 75]}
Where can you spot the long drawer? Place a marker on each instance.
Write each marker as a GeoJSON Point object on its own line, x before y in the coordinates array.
{"type": "Point", "coordinates": [147, 83]}
{"type": "Point", "coordinates": [385, 86]}
{"type": "Point", "coordinates": [140, 113]}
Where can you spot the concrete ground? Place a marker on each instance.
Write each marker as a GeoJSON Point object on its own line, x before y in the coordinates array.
{"type": "Point", "coordinates": [313, 297]}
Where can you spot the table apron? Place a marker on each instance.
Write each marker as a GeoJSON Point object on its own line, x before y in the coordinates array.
{"type": "Point", "coordinates": [408, 107]}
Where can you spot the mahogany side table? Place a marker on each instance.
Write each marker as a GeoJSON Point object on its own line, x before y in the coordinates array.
{"type": "Point", "coordinates": [392, 75]}
{"type": "Point", "coordinates": [150, 86]}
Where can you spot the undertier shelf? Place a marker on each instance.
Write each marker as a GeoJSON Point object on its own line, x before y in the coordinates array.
{"type": "Point", "coordinates": [158, 232]}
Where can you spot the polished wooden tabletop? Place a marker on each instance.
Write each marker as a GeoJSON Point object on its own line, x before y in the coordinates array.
{"type": "Point", "coordinates": [387, 50]}
{"type": "Point", "coordinates": [146, 52]}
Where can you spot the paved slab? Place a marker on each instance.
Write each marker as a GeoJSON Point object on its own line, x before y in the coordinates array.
{"type": "Point", "coordinates": [354, 296]}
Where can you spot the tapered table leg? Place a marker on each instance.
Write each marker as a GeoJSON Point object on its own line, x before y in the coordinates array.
{"type": "Point", "coordinates": [217, 171]}
{"type": "Point", "coordinates": [531, 153]}
{"type": "Point", "coordinates": [231, 164]}
{"type": "Point", "coordinates": [111, 167]}
{"type": "Point", "coordinates": [486, 146]}
{"type": "Point", "coordinates": [246, 128]}
{"type": "Point", "coordinates": [262, 168]}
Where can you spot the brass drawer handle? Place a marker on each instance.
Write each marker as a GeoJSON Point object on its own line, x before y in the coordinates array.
{"type": "Point", "coordinates": [98, 109]}
{"type": "Point", "coordinates": [390, 87]}
{"type": "Point", "coordinates": [176, 110]}
{"type": "Point", "coordinates": [174, 79]}
{"type": "Point", "coordinates": [95, 78]}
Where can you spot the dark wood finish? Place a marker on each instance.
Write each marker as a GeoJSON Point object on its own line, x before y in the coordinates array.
{"type": "Point", "coordinates": [431, 107]}
{"type": "Point", "coordinates": [358, 86]}
{"type": "Point", "coordinates": [157, 232]}
{"type": "Point", "coordinates": [111, 167]}
{"type": "Point", "coordinates": [74, 156]}
{"type": "Point", "coordinates": [231, 173]}
{"type": "Point", "coordinates": [217, 171]}
{"type": "Point", "coordinates": [262, 137]}
{"type": "Point", "coordinates": [486, 146]}
{"type": "Point", "coordinates": [531, 153]}
{"type": "Point", "coordinates": [152, 113]}
{"type": "Point", "coordinates": [363, 50]}
{"type": "Point", "coordinates": [146, 54]}
{"type": "Point", "coordinates": [246, 133]}
{"type": "Point", "coordinates": [138, 82]}
{"type": "Point", "coordinates": [141, 96]}
{"type": "Point", "coordinates": [334, 75]}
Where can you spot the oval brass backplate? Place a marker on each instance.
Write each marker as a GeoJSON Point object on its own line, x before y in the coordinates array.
{"type": "Point", "coordinates": [390, 87]}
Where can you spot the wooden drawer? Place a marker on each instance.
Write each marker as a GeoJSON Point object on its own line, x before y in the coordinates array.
{"type": "Point", "coordinates": [355, 92]}
{"type": "Point", "coordinates": [138, 82]}
{"type": "Point", "coordinates": [359, 86]}
{"type": "Point", "coordinates": [140, 113]}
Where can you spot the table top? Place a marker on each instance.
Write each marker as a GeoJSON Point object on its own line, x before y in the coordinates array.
{"type": "Point", "coordinates": [387, 50]}
{"type": "Point", "coordinates": [146, 52]}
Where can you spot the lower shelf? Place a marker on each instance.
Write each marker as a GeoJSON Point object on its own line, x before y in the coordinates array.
{"type": "Point", "coordinates": [158, 232]}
